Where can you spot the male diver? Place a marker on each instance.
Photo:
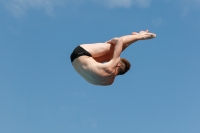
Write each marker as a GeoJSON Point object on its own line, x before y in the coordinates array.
{"type": "Point", "coordinates": [100, 63]}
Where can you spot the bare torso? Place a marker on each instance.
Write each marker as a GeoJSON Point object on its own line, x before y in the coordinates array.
{"type": "Point", "coordinates": [93, 72]}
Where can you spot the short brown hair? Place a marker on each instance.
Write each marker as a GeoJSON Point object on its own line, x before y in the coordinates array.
{"type": "Point", "coordinates": [124, 66]}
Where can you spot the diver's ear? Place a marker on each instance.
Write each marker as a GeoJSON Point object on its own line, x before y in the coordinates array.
{"type": "Point", "coordinates": [118, 64]}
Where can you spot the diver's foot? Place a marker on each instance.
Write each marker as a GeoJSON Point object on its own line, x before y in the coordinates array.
{"type": "Point", "coordinates": [144, 35]}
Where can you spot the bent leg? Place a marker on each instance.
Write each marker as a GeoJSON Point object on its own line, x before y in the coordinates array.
{"type": "Point", "coordinates": [129, 39]}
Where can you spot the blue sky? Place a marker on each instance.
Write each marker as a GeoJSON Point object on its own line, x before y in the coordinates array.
{"type": "Point", "coordinates": [41, 93]}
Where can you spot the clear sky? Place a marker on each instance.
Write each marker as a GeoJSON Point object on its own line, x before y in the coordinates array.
{"type": "Point", "coordinates": [41, 93]}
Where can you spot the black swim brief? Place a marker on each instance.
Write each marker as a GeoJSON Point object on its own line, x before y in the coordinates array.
{"type": "Point", "coordinates": [79, 51]}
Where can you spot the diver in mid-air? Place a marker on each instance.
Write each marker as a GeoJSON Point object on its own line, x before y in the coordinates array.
{"type": "Point", "coordinates": [100, 63]}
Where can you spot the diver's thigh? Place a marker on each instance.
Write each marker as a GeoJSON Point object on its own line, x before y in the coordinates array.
{"type": "Point", "coordinates": [98, 49]}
